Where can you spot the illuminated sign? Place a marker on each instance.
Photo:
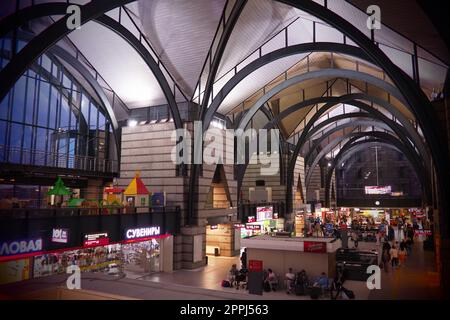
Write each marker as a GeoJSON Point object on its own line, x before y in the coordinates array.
{"type": "Point", "coordinates": [253, 227]}
{"type": "Point", "coordinates": [239, 225]}
{"type": "Point", "coordinates": [251, 219]}
{"type": "Point", "coordinates": [20, 247]}
{"type": "Point", "coordinates": [425, 232]}
{"type": "Point", "coordinates": [378, 190]}
{"type": "Point", "coordinates": [60, 235]}
{"type": "Point", "coordinates": [96, 239]}
{"type": "Point", "coordinates": [315, 247]}
{"type": "Point", "coordinates": [136, 233]}
{"type": "Point", "coordinates": [264, 213]}
{"type": "Point", "coordinates": [214, 227]}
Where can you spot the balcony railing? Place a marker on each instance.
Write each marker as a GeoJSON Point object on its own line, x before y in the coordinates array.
{"type": "Point", "coordinates": [21, 156]}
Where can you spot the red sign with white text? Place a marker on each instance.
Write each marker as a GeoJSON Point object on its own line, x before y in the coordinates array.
{"type": "Point", "coordinates": [97, 242]}
{"type": "Point", "coordinates": [315, 247]}
{"type": "Point", "coordinates": [253, 227]}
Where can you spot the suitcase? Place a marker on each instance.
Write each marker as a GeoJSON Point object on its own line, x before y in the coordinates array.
{"type": "Point", "coordinates": [267, 287]}
{"type": "Point", "coordinates": [349, 293]}
{"type": "Point", "coordinates": [315, 293]}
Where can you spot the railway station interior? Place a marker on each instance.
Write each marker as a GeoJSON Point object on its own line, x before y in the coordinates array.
{"type": "Point", "coordinates": [154, 144]}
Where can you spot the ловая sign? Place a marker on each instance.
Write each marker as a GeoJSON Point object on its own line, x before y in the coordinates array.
{"type": "Point", "coordinates": [9, 248]}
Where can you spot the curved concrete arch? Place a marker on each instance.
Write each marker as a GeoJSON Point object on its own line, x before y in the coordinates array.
{"type": "Point", "coordinates": [352, 147]}
{"type": "Point", "coordinates": [329, 72]}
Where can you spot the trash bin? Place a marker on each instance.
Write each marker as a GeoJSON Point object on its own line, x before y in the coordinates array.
{"type": "Point", "coordinates": [216, 252]}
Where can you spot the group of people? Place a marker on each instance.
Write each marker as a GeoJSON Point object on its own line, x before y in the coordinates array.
{"type": "Point", "coordinates": [395, 254]}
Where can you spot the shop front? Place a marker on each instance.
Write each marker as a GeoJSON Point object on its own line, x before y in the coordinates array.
{"type": "Point", "coordinates": [56, 243]}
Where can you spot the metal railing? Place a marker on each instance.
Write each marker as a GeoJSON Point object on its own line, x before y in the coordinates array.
{"type": "Point", "coordinates": [34, 157]}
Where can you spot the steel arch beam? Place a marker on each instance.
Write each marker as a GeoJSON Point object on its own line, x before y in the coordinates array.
{"type": "Point", "coordinates": [355, 123]}
{"type": "Point", "coordinates": [349, 149]}
{"type": "Point", "coordinates": [402, 132]}
{"type": "Point", "coordinates": [419, 103]}
{"type": "Point", "coordinates": [335, 142]}
{"type": "Point", "coordinates": [126, 35]}
{"type": "Point", "coordinates": [350, 99]}
{"type": "Point", "coordinates": [54, 82]}
{"type": "Point", "coordinates": [343, 99]}
{"type": "Point", "coordinates": [271, 57]}
{"type": "Point", "coordinates": [228, 29]}
{"type": "Point", "coordinates": [72, 61]}
{"type": "Point", "coordinates": [47, 38]}
{"type": "Point", "coordinates": [15, 20]}
{"type": "Point", "coordinates": [330, 72]}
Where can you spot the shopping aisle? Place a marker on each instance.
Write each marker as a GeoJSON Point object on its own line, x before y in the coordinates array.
{"type": "Point", "coordinates": [417, 279]}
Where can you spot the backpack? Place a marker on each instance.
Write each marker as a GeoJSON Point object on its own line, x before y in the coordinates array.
{"type": "Point", "coordinates": [226, 284]}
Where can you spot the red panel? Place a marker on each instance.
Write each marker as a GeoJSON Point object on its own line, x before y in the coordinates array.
{"type": "Point", "coordinates": [315, 247]}
{"type": "Point", "coordinates": [255, 265]}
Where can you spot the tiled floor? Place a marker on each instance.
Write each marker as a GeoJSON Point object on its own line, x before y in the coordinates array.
{"type": "Point", "coordinates": [416, 280]}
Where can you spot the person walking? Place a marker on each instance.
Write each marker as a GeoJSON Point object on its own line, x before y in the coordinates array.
{"type": "Point", "coordinates": [386, 258]}
{"type": "Point", "coordinates": [394, 256]}
{"type": "Point", "coordinates": [402, 256]}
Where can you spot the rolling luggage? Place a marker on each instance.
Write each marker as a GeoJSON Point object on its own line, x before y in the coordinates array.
{"type": "Point", "coordinates": [349, 293]}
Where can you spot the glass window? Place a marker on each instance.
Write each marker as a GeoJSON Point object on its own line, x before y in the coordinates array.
{"type": "Point", "coordinates": [85, 107]}
{"type": "Point", "coordinates": [101, 121]}
{"type": "Point", "coordinates": [41, 139]}
{"type": "Point", "coordinates": [15, 142]}
{"type": "Point", "coordinates": [65, 115]}
{"type": "Point", "coordinates": [2, 139]}
{"type": "Point", "coordinates": [46, 63]}
{"type": "Point", "coordinates": [54, 101]}
{"type": "Point", "coordinates": [18, 104]}
{"type": "Point", "coordinates": [93, 117]}
{"type": "Point", "coordinates": [44, 92]}
{"type": "Point", "coordinates": [66, 82]}
{"type": "Point", "coordinates": [20, 45]}
{"type": "Point", "coordinates": [31, 86]}
{"type": "Point", "coordinates": [26, 150]}
{"type": "Point", "coordinates": [4, 107]}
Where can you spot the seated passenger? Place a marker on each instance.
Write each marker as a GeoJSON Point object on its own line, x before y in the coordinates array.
{"type": "Point", "coordinates": [322, 281]}
{"type": "Point", "coordinates": [289, 279]}
{"type": "Point", "coordinates": [271, 279]}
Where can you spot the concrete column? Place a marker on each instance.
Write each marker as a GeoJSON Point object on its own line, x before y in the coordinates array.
{"type": "Point", "coordinates": [167, 245]}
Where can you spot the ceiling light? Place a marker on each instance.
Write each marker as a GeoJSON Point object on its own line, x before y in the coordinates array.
{"type": "Point", "coordinates": [132, 123]}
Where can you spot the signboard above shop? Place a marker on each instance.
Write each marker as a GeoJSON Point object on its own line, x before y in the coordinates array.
{"type": "Point", "coordinates": [138, 233]}
{"type": "Point", "coordinates": [264, 213]}
{"type": "Point", "coordinates": [9, 248]}
{"type": "Point", "coordinates": [253, 227]}
{"type": "Point", "coordinates": [60, 235]}
{"type": "Point", "coordinates": [96, 239]}
{"type": "Point", "coordinates": [315, 247]}
{"type": "Point", "coordinates": [378, 190]}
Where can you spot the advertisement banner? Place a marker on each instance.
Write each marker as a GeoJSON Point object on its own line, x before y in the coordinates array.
{"type": "Point", "coordinates": [264, 213]}
{"type": "Point", "coordinates": [97, 239]}
{"type": "Point", "coordinates": [60, 235]}
{"type": "Point", "coordinates": [315, 247]}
